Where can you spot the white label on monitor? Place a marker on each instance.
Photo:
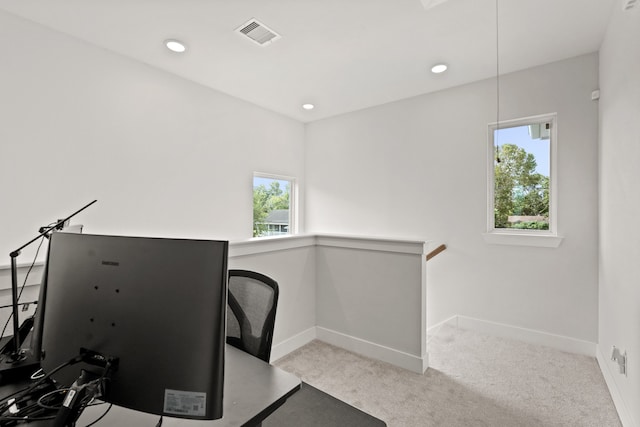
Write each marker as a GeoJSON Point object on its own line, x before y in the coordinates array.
{"type": "Point", "coordinates": [185, 403]}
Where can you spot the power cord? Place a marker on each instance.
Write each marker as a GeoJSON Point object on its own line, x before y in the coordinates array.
{"type": "Point", "coordinates": [19, 404]}
{"type": "Point", "coordinates": [101, 416]}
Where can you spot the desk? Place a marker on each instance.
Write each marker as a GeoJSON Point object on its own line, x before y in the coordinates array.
{"type": "Point", "coordinates": [253, 389]}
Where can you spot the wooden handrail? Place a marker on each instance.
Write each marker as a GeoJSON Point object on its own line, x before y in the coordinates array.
{"type": "Point", "coordinates": [436, 251]}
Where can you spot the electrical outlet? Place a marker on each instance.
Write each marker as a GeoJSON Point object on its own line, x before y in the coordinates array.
{"type": "Point", "coordinates": [620, 358]}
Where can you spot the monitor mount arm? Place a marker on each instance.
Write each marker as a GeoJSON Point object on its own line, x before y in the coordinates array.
{"type": "Point", "coordinates": [16, 355]}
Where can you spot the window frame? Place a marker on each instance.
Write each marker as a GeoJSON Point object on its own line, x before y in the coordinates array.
{"type": "Point", "coordinates": [293, 201]}
{"type": "Point", "coordinates": [548, 238]}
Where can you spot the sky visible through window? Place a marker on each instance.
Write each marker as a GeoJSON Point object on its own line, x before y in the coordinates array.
{"type": "Point", "coordinates": [258, 181]}
{"type": "Point", "coordinates": [519, 136]}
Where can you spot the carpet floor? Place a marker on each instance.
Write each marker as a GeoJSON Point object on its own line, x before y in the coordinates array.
{"type": "Point", "coordinates": [473, 380]}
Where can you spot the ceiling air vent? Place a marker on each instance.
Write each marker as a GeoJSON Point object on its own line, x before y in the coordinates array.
{"type": "Point", "coordinates": [258, 32]}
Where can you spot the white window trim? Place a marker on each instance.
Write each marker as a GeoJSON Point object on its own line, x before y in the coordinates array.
{"type": "Point", "coordinates": [293, 199]}
{"type": "Point", "coordinates": [539, 238]}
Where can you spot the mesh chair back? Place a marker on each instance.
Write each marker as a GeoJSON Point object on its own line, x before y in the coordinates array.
{"type": "Point", "coordinates": [251, 312]}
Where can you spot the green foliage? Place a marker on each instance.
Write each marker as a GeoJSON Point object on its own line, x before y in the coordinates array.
{"type": "Point", "coordinates": [518, 188]}
{"type": "Point", "coordinates": [264, 201]}
{"type": "Point", "coordinates": [531, 225]}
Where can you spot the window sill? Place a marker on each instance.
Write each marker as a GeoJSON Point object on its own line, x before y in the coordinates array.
{"type": "Point", "coordinates": [522, 239]}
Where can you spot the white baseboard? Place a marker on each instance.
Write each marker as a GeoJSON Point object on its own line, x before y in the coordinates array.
{"type": "Point", "coordinates": [285, 347]}
{"type": "Point", "coordinates": [623, 411]}
{"type": "Point", "coordinates": [532, 336]}
{"type": "Point", "coordinates": [374, 351]}
{"type": "Point", "coordinates": [452, 321]}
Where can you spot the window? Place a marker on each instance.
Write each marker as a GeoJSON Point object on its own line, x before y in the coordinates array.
{"type": "Point", "coordinates": [273, 205]}
{"type": "Point", "coordinates": [521, 184]}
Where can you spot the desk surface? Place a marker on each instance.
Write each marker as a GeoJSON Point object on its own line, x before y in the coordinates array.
{"type": "Point", "coordinates": [253, 389]}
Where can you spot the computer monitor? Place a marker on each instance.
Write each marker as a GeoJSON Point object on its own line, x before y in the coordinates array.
{"type": "Point", "coordinates": [157, 306]}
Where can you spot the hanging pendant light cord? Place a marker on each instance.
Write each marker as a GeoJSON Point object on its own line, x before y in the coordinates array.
{"type": "Point", "coordinates": [497, 132]}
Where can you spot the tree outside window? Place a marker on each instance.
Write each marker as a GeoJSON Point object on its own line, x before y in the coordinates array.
{"type": "Point", "coordinates": [521, 194]}
{"type": "Point", "coordinates": [521, 181]}
{"type": "Point", "coordinates": [272, 207]}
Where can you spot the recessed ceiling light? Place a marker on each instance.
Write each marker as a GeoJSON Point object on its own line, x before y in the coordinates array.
{"type": "Point", "coordinates": [308, 106]}
{"type": "Point", "coordinates": [439, 68]}
{"type": "Point", "coordinates": [175, 45]}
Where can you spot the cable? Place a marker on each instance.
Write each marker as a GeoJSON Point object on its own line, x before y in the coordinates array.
{"type": "Point", "coordinates": [101, 416]}
{"type": "Point", "coordinates": [83, 391]}
{"type": "Point", "coordinates": [11, 305]}
{"type": "Point", "coordinates": [81, 394]}
{"type": "Point", "coordinates": [32, 411]}
{"type": "Point", "coordinates": [25, 419]}
{"type": "Point", "coordinates": [35, 258]}
{"type": "Point", "coordinates": [37, 375]}
{"type": "Point", "coordinates": [23, 286]}
{"type": "Point", "coordinates": [44, 405]}
{"type": "Point", "coordinates": [20, 394]}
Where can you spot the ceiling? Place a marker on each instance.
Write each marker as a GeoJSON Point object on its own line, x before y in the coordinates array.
{"type": "Point", "coordinates": [341, 55]}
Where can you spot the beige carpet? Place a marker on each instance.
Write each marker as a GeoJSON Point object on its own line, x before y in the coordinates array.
{"type": "Point", "coordinates": [473, 380]}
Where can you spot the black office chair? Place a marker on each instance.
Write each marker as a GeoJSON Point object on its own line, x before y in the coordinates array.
{"type": "Point", "coordinates": [251, 312]}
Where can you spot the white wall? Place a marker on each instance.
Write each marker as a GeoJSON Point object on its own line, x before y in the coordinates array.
{"type": "Point", "coordinates": [417, 169]}
{"type": "Point", "coordinates": [620, 208]}
{"type": "Point", "coordinates": [370, 298]}
{"type": "Point", "coordinates": [163, 156]}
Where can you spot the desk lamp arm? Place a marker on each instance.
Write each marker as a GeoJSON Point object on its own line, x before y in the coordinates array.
{"type": "Point", "coordinates": [15, 354]}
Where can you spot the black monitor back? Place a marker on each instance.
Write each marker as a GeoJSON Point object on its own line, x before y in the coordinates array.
{"type": "Point", "coordinates": [158, 305]}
